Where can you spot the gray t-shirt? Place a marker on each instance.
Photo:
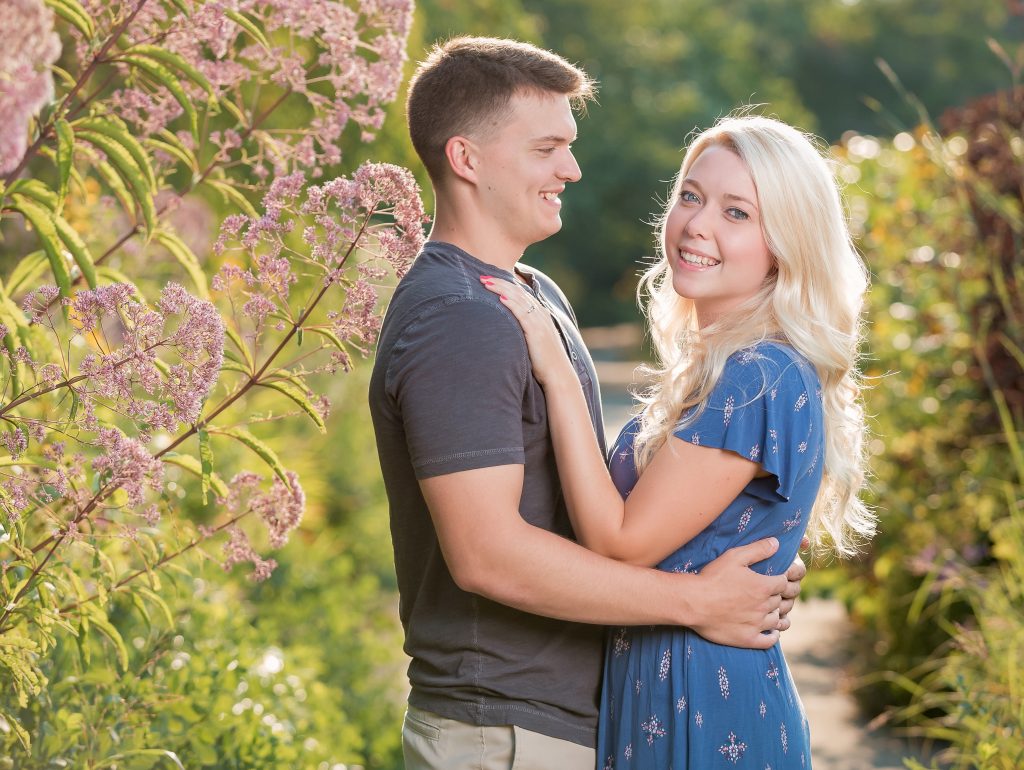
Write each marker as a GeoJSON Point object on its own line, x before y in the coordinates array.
{"type": "Point", "coordinates": [452, 390]}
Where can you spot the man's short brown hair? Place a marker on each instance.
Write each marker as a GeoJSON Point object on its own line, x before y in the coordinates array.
{"type": "Point", "coordinates": [468, 82]}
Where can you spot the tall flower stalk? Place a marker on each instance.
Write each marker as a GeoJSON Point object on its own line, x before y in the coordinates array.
{"type": "Point", "coordinates": [157, 105]}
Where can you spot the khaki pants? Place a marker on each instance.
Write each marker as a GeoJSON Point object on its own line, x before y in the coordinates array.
{"type": "Point", "coordinates": [432, 742]}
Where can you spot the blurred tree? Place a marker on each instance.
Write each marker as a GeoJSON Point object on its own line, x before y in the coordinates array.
{"type": "Point", "coordinates": [667, 67]}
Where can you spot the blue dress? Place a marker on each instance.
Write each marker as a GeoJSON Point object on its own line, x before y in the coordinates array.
{"type": "Point", "coordinates": [672, 700]}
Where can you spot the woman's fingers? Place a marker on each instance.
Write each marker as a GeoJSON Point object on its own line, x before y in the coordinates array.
{"type": "Point", "coordinates": [513, 296]}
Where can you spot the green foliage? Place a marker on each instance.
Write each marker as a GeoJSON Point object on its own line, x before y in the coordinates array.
{"type": "Point", "coordinates": [123, 644]}
{"type": "Point", "coordinates": [938, 603]}
{"type": "Point", "coordinates": [929, 462]}
{"type": "Point", "coordinates": [666, 67]}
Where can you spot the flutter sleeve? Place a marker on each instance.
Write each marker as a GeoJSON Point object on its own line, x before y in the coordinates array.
{"type": "Point", "coordinates": [766, 408]}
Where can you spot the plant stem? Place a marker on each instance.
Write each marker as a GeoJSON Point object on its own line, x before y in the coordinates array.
{"type": "Point", "coordinates": [254, 378]}
{"type": "Point", "coordinates": [159, 563]}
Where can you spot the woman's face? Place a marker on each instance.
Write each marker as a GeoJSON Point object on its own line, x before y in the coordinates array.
{"type": "Point", "coordinates": [713, 238]}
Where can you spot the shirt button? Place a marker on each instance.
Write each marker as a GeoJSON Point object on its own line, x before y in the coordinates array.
{"type": "Point", "coordinates": [572, 355]}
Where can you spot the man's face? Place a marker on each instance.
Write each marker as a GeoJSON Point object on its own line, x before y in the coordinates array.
{"type": "Point", "coordinates": [524, 165]}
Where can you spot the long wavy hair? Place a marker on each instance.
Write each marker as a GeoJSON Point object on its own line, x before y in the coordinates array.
{"type": "Point", "coordinates": [812, 300]}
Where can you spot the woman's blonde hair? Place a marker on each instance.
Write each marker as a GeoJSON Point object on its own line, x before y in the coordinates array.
{"type": "Point", "coordinates": [812, 300]}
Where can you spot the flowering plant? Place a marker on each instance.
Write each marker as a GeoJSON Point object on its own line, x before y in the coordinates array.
{"type": "Point", "coordinates": [107, 150]}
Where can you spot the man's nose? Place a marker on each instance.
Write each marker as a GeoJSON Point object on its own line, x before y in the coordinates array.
{"type": "Point", "coordinates": [570, 169]}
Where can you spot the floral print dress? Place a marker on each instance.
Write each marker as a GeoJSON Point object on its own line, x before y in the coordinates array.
{"type": "Point", "coordinates": [672, 700]}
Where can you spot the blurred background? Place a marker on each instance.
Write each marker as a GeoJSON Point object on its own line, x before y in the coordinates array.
{"type": "Point", "coordinates": [908, 650]}
{"type": "Point", "coordinates": [910, 655]}
{"type": "Point", "coordinates": [911, 648]}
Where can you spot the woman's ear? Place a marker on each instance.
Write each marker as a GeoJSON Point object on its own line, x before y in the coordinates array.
{"type": "Point", "coordinates": [462, 157]}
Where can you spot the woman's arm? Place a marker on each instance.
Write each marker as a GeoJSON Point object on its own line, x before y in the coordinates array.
{"type": "Point", "coordinates": [681, 491]}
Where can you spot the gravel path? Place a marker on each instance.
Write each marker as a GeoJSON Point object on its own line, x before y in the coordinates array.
{"type": "Point", "coordinates": [840, 739]}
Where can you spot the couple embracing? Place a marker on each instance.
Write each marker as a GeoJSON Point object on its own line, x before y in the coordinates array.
{"type": "Point", "coordinates": [569, 607]}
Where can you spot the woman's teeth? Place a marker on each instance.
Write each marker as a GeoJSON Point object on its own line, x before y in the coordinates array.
{"type": "Point", "coordinates": [694, 259]}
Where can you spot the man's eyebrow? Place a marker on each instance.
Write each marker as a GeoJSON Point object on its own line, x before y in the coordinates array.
{"type": "Point", "coordinates": [553, 139]}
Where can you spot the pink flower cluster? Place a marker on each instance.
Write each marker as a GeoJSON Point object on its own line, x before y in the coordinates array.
{"type": "Point", "coordinates": [341, 217]}
{"type": "Point", "coordinates": [280, 508]}
{"type": "Point", "coordinates": [127, 464]}
{"type": "Point", "coordinates": [238, 550]}
{"type": "Point", "coordinates": [128, 373]}
{"type": "Point", "coordinates": [28, 46]}
{"type": "Point", "coordinates": [352, 68]}
{"type": "Point", "coordinates": [341, 205]}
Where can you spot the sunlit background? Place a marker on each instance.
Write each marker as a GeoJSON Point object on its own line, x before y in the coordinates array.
{"type": "Point", "coordinates": [913, 649]}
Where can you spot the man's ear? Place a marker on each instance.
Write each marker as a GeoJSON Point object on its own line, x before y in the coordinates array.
{"type": "Point", "coordinates": [462, 155]}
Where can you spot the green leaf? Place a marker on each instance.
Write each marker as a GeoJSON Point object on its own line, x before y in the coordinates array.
{"type": "Point", "coordinates": [65, 152]}
{"type": "Point", "coordinates": [78, 249]}
{"type": "Point", "coordinates": [42, 220]}
{"type": "Point", "coordinates": [232, 195]}
{"type": "Point", "coordinates": [300, 398]}
{"type": "Point", "coordinates": [143, 609]}
{"type": "Point", "coordinates": [136, 176]}
{"type": "Point", "coordinates": [235, 111]}
{"type": "Point", "coordinates": [36, 190]}
{"type": "Point", "coordinates": [171, 59]}
{"type": "Point", "coordinates": [175, 151]}
{"type": "Point", "coordinates": [163, 76]}
{"type": "Point", "coordinates": [192, 465]}
{"type": "Point", "coordinates": [117, 760]}
{"type": "Point", "coordinates": [74, 14]}
{"type": "Point", "coordinates": [115, 129]}
{"type": "Point", "coordinates": [159, 602]}
{"type": "Point", "coordinates": [249, 26]}
{"type": "Point", "coordinates": [114, 182]}
{"type": "Point", "coordinates": [26, 272]}
{"type": "Point", "coordinates": [186, 258]}
{"type": "Point", "coordinates": [19, 731]}
{"type": "Point", "coordinates": [9, 343]}
{"type": "Point", "coordinates": [100, 621]}
{"type": "Point", "coordinates": [234, 366]}
{"type": "Point", "coordinates": [206, 460]}
{"type": "Point", "coordinates": [264, 452]}
{"type": "Point", "coordinates": [31, 461]}
{"type": "Point", "coordinates": [329, 336]}
{"type": "Point", "coordinates": [242, 347]}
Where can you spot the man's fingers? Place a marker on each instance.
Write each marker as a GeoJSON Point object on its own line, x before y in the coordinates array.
{"type": "Point", "coordinates": [786, 606]}
{"type": "Point", "coordinates": [754, 552]}
{"type": "Point", "coordinates": [797, 570]}
{"type": "Point", "coordinates": [765, 640]}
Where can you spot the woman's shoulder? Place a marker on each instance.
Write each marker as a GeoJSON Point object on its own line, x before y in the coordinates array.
{"type": "Point", "coordinates": [772, 356]}
{"type": "Point", "coordinates": [771, 366]}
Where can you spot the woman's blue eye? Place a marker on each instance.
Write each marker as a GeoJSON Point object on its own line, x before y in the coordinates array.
{"type": "Point", "coordinates": [737, 213]}
{"type": "Point", "coordinates": [689, 197]}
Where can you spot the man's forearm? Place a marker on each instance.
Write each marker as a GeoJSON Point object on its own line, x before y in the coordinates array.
{"type": "Point", "coordinates": [542, 573]}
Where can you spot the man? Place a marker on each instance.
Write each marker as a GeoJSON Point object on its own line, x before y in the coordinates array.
{"type": "Point", "coordinates": [503, 612]}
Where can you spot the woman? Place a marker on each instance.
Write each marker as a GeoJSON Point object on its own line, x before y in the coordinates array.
{"type": "Point", "coordinates": [752, 428]}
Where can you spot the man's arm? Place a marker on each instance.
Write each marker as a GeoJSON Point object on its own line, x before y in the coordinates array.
{"type": "Point", "coordinates": [490, 550]}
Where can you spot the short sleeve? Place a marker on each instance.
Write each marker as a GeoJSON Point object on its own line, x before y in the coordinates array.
{"type": "Point", "coordinates": [765, 408]}
{"type": "Point", "coordinates": [458, 376]}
